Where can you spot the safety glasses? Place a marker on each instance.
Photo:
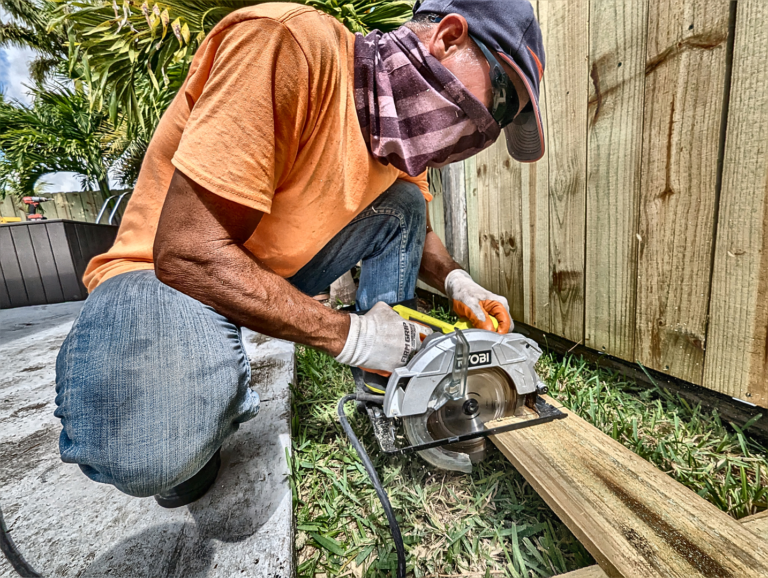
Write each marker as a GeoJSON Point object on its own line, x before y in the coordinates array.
{"type": "Point", "coordinates": [505, 104]}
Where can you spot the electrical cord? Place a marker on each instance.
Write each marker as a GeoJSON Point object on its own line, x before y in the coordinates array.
{"type": "Point", "coordinates": [12, 553]}
{"type": "Point", "coordinates": [383, 498]}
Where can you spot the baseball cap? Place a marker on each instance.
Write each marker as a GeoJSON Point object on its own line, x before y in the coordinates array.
{"type": "Point", "coordinates": [508, 27]}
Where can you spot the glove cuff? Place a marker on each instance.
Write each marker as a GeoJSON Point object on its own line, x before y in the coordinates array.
{"type": "Point", "coordinates": [452, 277]}
{"type": "Point", "coordinates": [359, 342]}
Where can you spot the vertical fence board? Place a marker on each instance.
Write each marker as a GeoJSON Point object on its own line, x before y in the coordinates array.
{"type": "Point", "coordinates": [535, 226]}
{"type": "Point", "coordinates": [685, 78]}
{"type": "Point", "coordinates": [473, 231]}
{"type": "Point", "coordinates": [618, 30]}
{"type": "Point", "coordinates": [737, 344]}
{"type": "Point", "coordinates": [566, 37]}
{"type": "Point", "coordinates": [510, 237]}
{"type": "Point", "coordinates": [435, 207]}
{"type": "Point", "coordinates": [455, 213]}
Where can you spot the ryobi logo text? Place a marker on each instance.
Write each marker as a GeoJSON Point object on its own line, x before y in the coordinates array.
{"type": "Point", "coordinates": [479, 358]}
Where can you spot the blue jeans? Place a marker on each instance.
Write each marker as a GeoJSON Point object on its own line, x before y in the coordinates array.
{"type": "Point", "coordinates": [150, 382]}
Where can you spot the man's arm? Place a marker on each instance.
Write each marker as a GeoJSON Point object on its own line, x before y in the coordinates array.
{"type": "Point", "coordinates": [436, 262]}
{"type": "Point", "coordinates": [199, 251]}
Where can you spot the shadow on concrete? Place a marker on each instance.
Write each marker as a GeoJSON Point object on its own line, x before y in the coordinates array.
{"type": "Point", "coordinates": [232, 512]}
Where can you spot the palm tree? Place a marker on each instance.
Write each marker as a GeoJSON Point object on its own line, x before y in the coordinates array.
{"type": "Point", "coordinates": [58, 133]}
{"type": "Point", "coordinates": [30, 26]}
{"type": "Point", "coordinates": [134, 56]}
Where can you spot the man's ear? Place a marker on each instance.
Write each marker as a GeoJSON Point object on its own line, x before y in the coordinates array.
{"type": "Point", "coordinates": [449, 36]}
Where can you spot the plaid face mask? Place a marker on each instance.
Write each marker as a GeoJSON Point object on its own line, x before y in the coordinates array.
{"type": "Point", "coordinates": [413, 111]}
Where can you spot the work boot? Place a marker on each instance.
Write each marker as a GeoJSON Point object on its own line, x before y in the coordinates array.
{"type": "Point", "coordinates": [194, 488]}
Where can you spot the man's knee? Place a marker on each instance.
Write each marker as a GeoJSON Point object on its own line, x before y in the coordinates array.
{"type": "Point", "coordinates": [406, 201]}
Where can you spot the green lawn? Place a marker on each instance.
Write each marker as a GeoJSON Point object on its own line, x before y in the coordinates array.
{"type": "Point", "coordinates": [489, 523]}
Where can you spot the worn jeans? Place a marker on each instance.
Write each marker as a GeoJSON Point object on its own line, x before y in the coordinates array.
{"type": "Point", "coordinates": [150, 382]}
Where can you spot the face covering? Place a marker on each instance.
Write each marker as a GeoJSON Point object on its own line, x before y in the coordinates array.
{"type": "Point", "coordinates": [413, 111]}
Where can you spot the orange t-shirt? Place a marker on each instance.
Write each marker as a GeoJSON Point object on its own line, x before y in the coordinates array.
{"type": "Point", "coordinates": [265, 118]}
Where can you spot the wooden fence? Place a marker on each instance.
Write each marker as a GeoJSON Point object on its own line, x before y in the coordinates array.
{"type": "Point", "coordinates": [643, 232]}
{"type": "Point", "coordinates": [77, 206]}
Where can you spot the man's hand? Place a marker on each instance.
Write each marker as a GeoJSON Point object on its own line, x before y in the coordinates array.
{"type": "Point", "coordinates": [381, 340]}
{"type": "Point", "coordinates": [470, 300]}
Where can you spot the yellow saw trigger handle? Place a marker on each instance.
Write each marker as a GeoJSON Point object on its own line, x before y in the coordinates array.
{"type": "Point", "coordinates": [435, 324]}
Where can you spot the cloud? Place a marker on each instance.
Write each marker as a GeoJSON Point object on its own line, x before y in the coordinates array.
{"type": "Point", "coordinates": [14, 73]}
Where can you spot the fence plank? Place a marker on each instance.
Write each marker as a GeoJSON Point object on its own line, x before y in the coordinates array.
{"type": "Point", "coordinates": [435, 207]}
{"type": "Point", "coordinates": [565, 29]}
{"type": "Point", "coordinates": [488, 218]}
{"type": "Point", "coordinates": [455, 213]}
{"type": "Point", "coordinates": [473, 231]}
{"type": "Point", "coordinates": [618, 30]}
{"type": "Point", "coordinates": [685, 76]}
{"type": "Point", "coordinates": [535, 227]}
{"type": "Point", "coordinates": [510, 240]}
{"type": "Point", "coordinates": [737, 344]}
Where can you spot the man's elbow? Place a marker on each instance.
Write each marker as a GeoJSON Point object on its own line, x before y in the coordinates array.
{"type": "Point", "coordinates": [171, 267]}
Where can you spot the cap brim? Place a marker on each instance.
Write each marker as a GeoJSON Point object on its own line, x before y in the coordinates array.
{"type": "Point", "coordinates": [525, 135]}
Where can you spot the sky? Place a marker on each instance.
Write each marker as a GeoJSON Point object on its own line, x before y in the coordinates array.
{"type": "Point", "coordinates": [13, 76]}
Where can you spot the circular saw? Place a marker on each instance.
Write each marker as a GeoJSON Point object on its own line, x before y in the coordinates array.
{"type": "Point", "coordinates": [462, 386]}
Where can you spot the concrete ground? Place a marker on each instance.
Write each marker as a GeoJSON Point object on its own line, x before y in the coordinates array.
{"type": "Point", "coordinates": [66, 525]}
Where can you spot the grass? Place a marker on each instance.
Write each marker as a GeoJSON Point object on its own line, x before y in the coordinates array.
{"type": "Point", "coordinates": [490, 523]}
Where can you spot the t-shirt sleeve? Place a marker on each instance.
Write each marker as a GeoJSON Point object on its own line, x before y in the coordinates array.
{"type": "Point", "coordinates": [421, 181]}
{"type": "Point", "coordinates": [248, 113]}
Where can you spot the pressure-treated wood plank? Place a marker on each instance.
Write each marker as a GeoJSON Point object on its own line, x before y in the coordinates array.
{"type": "Point", "coordinates": [435, 207]}
{"type": "Point", "coordinates": [473, 231]}
{"type": "Point", "coordinates": [685, 79]}
{"type": "Point", "coordinates": [757, 524]}
{"type": "Point", "coordinates": [455, 213]}
{"type": "Point", "coordinates": [565, 27]}
{"type": "Point", "coordinates": [635, 520]}
{"type": "Point", "coordinates": [615, 140]}
{"type": "Point", "coordinates": [500, 225]}
{"type": "Point", "coordinates": [488, 218]}
{"type": "Point", "coordinates": [737, 342]}
{"type": "Point", "coordinates": [535, 226]}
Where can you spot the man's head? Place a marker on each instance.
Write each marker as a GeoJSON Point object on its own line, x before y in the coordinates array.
{"type": "Point", "coordinates": [478, 40]}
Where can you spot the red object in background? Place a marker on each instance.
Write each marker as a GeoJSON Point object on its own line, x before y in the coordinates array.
{"type": "Point", "coordinates": [32, 204]}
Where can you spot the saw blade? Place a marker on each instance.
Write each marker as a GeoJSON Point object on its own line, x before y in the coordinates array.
{"type": "Point", "coordinates": [490, 396]}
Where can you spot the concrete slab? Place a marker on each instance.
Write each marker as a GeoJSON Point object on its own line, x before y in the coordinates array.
{"type": "Point", "coordinates": [66, 525]}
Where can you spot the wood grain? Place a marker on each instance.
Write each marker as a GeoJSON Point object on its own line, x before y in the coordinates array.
{"type": "Point", "coordinates": [618, 30]}
{"type": "Point", "coordinates": [565, 27]}
{"type": "Point", "coordinates": [534, 198]}
{"type": "Point", "coordinates": [757, 524]}
{"type": "Point", "coordinates": [635, 520]}
{"type": "Point", "coordinates": [685, 79]}
{"type": "Point", "coordinates": [500, 225]}
{"type": "Point", "coordinates": [737, 341]}
{"type": "Point", "coordinates": [435, 207]}
{"type": "Point", "coordinates": [455, 213]}
{"type": "Point", "coordinates": [473, 224]}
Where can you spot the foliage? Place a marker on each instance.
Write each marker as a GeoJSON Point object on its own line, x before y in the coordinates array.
{"type": "Point", "coordinates": [135, 58]}
{"type": "Point", "coordinates": [489, 523]}
{"type": "Point", "coordinates": [58, 133]}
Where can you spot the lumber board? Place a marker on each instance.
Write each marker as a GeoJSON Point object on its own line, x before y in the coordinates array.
{"type": "Point", "coordinates": [488, 218]}
{"type": "Point", "coordinates": [455, 213]}
{"type": "Point", "coordinates": [435, 206]}
{"type": "Point", "coordinates": [534, 198]}
{"type": "Point", "coordinates": [634, 519]}
{"type": "Point", "coordinates": [565, 27]}
{"type": "Point", "coordinates": [473, 231]}
{"type": "Point", "coordinates": [737, 342]}
{"type": "Point", "coordinates": [617, 38]}
{"type": "Point", "coordinates": [684, 95]}
{"type": "Point", "coordinates": [757, 524]}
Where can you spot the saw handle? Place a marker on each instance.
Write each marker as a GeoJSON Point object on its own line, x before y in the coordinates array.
{"type": "Point", "coordinates": [436, 324]}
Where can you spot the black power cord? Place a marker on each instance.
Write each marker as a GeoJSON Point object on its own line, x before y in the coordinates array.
{"type": "Point", "coordinates": [12, 553]}
{"type": "Point", "coordinates": [383, 498]}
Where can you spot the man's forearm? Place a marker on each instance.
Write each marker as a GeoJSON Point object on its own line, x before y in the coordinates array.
{"type": "Point", "coordinates": [251, 295]}
{"type": "Point", "coordinates": [436, 262]}
{"type": "Point", "coordinates": [199, 251]}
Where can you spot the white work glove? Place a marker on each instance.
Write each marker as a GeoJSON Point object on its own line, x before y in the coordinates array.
{"type": "Point", "coordinates": [381, 340]}
{"type": "Point", "coordinates": [470, 300]}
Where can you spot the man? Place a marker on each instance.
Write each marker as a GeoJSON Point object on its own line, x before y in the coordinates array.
{"type": "Point", "coordinates": [293, 151]}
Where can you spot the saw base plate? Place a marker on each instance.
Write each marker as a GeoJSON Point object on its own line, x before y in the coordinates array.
{"type": "Point", "coordinates": [390, 442]}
